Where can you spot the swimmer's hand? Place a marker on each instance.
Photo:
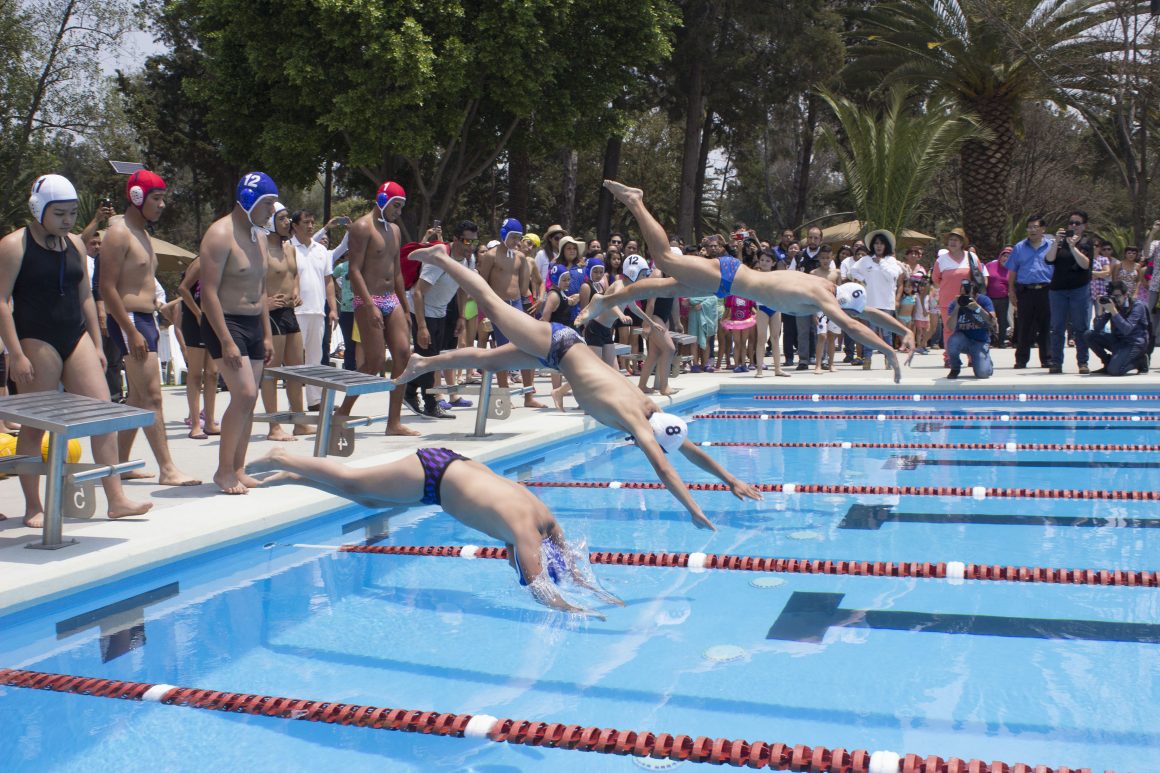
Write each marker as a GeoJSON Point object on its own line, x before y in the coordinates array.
{"type": "Point", "coordinates": [551, 598]}
{"type": "Point", "coordinates": [743, 490]}
{"type": "Point", "coordinates": [701, 522]}
{"type": "Point", "coordinates": [896, 366]}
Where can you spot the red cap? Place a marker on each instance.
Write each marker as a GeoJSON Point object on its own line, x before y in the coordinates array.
{"type": "Point", "coordinates": [388, 192]}
{"type": "Point", "coordinates": [140, 184]}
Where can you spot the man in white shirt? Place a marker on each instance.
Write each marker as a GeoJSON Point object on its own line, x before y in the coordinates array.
{"type": "Point", "coordinates": [805, 328]}
{"type": "Point", "coordinates": [882, 274]}
{"type": "Point", "coordinates": [316, 288]}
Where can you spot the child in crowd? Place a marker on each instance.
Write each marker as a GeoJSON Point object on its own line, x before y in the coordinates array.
{"type": "Point", "coordinates": [740, 321]}
{"type": "Point", "coordinates": [768, 326]}
{"type": "Point", "coordinates": [921, 315]}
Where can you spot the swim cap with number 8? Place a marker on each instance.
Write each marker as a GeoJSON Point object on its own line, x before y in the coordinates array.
{"type": "Point", "coordinates": [669, 430]}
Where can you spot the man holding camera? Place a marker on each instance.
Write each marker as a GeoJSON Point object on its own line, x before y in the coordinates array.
{"type": "Point", "coordinates": [1070, 295]}
{"type": "Point", "coordinates": [1125, 348]}
{"type": "Point", "coordinates": [971, 321]}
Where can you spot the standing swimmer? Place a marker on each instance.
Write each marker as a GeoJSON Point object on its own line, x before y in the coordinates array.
{"type": "Point", "coordinates": [470, 493]}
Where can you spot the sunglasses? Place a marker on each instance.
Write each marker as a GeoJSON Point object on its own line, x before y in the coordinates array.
{"type": "Point", "coordinates": [465, 240]}
{"type": "Point", "coordinates": [1075, 222]}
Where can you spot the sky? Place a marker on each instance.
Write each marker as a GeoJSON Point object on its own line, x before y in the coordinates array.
{"type": "Point", "coordinates": [130, 52]}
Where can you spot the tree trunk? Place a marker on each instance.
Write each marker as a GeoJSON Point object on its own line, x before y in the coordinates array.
{"type": "Point", "coordinates": [519, 181]}
{"type": "Point", "coordinates": [986, 173]}
{"type": "Point", "coordinates": [571, 161]}
{"type": "Point", "coordinates": [327, 184]}
{"type": "Point", "coordinates": [702, 163]}
{"type": "Point", "coordinates": [805, 161]}
{"type": "Point", "coordinates": [610, 172]}
{"type": "Point", "coordinates": [691, 153]}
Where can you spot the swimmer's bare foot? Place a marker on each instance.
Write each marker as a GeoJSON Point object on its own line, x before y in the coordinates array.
{"type": "Point", "coordinates": [414, 369]}
{"type": "Point", "coordinates": [624, 194]}
{"type": "Point", "coordinates": [305, 429]}
{"type": "Point", "coordinates": [125, 507]}
{"type": "Point", "coordinates": [176, 477]}
{"type": "Point", "coordinates": [277, 433]}
{"type": "Point", "coordinates": [247, 481]}
{"type": "Point", "coordinates": [648, 390]}
{"type": "Point", "coordinates": [759, 374]}
{"type": "Point", "coordinates": [429, 254]}
{"type": "Point", "coordinates": [274, 460]}
{"type": "Point", "coordinates": [137, 475]}
{"type": "Point", "coordinates": [280, 477]}
{"type": "Point", "coordinates": [667, 392]}
{"type": "Point", "coordinates": [531, 402]}
{"type": "Point", "coordinates": [35, 520]}
{"type": "Point", "coordinates": [593, 310]}
{"type": "Point", "coordinates": [229, 483]}
{"type": "Point", "coordinates": [558, 397]}
{"type": "Point", "coordinates": [401, 429]}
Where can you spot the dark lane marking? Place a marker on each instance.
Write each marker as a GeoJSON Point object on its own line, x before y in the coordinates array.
{"type": "Point", "coordinates": [871, 518]}
{"type": "Point", "coordinates": [914, 461]}
{"type": "Point", "coordinates": [122, 623]}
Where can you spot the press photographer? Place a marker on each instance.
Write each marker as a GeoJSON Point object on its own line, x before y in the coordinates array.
{"type": "Point", "coordinates": [971, 322]}
{"type": "Point", "coordinates": [1125, 348]}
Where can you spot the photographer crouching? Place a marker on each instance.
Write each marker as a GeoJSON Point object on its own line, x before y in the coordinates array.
{"type": "Point", "coordinates": [971, 322]}
{"type": "Point", "coordinates": [1125, 348]}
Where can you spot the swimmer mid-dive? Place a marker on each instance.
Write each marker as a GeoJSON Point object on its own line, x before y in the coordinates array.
{"type": "Point", "coordinates": [789, 292]}
{"type": "Point", "coordinates": [467, 491]}
{"type": "Point", "coordinates": [600, 390]}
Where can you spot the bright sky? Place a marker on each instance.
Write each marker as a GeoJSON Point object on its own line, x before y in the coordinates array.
{"type": "Point", "coordinates": [130, 53]}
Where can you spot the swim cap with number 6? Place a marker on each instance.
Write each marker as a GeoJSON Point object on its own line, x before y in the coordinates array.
{"type": "Point", "coordinates": [852, 297]}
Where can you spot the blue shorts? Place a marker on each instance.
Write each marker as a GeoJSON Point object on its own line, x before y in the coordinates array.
{"type": "Point", "coordinates": [146, 325]}
{"type": "Point", "coordinates": [552, 558]}
{"type": "Point", "coordinates": [766, 310]}
{"type": "Point", "coordinates": [496, 333]}
{"type": "Point", "coordinates": [729, 266]}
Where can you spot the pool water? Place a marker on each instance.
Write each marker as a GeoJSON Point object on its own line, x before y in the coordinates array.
{"type": "Point", "coordinates": [1041, 674]}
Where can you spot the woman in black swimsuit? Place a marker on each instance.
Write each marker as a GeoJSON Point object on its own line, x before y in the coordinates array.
{"type": "Point", "coordinates": [48, 321]}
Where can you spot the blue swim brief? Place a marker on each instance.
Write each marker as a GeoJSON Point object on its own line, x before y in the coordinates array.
{"type": "Point", "coordinates": [563, 339]}
{"type": "Point", "coordinates": [729, 266]}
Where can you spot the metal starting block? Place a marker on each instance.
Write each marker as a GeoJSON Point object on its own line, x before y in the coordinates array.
{"type": "Point", "coordinates": [335, 433]}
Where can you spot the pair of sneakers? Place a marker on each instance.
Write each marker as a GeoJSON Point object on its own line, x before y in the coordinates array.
{"type": "Point", "coordinates": [435, 410]}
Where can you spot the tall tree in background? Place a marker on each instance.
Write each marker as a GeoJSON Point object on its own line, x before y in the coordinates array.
{"type": "Point", "coordinates": [889, 157]}
{"type": "Point", "coordinates": [968, 50]}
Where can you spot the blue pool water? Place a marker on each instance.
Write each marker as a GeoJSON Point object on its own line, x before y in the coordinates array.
{"type": "Point", "coordinates": [1042, 674]}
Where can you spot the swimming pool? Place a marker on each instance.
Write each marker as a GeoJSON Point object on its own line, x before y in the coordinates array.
{"type": "Point", "coordinates": [1051, 674]}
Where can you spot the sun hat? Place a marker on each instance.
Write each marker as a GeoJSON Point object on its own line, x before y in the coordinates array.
{"type": "Point", "coordinates": [884, 233]}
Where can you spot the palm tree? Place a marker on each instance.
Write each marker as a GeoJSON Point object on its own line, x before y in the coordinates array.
{"type": "Point", "coordinates": [890, 158]}
{"type": "Point", "coordinates": [989, 56]}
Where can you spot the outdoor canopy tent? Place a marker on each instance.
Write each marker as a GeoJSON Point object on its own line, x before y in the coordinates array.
{"type": "Point", "coordinates": [847, 232]}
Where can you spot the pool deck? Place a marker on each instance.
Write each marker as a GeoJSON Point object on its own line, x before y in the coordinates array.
{"type": "Point", "coordinates": [188, 520]}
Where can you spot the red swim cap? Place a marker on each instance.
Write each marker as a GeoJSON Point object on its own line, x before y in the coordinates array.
{"type": "Point", "coordinates": [140, 184]}
{"type": "Point", "coordinates": [388, 192]}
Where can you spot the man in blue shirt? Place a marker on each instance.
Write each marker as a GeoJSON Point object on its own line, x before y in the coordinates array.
{"type": "Point", "coordinates": [971, 322]}
{"type": "Point", "coordinates": [1125, 348]}
{"type": "Point", "coordinates": [1028, 279]}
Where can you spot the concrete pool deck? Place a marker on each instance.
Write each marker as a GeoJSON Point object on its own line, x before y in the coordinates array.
{"type": "Point", "coordinates": [187, 520]}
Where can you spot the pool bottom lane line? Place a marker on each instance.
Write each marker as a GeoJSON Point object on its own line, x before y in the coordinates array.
{"type": "Point", "coordinates": [953, 571]}
{"type": "Point", "coordinates": [716, 751]}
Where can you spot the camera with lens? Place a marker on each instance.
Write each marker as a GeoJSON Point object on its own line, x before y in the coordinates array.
{"type": "Point", "coordinates": [965, 293]}
{"type": "Point", "coordinates": [1104, 300]}
{"type": "Point", "coordinates": [1069, 233]}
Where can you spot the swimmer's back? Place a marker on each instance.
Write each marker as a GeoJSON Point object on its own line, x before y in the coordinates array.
{"type": "Point", "coordinates": [500, 508]}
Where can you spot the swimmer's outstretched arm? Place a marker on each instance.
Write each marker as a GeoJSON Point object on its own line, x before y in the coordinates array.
{"type": "Point", "coordinates": [543, 592]}
{"type": "Point", "coordinates": [740, 488]}
{"type": "Point", "coordinates": [882, 319]}
{"type": "Point", "coordinates": [668, 476]}
{"type": "Point", "coordinates": [858, 331]}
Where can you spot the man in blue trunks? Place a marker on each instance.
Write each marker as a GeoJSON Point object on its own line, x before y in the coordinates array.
{"type": "Point", "coordinates": [599, 389]}
{"type": "Point", "coordinates": [467, 491]}
{"type": "Point", "coordinates": [790, 292]}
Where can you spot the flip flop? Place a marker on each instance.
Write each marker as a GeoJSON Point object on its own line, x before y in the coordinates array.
{"type": "Point", "coordinates": [198, 436]}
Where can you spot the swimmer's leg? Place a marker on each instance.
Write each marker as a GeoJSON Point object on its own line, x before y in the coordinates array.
{"type": "Point", "coordinates": [369, 486]}
{"type": "Point", "coordinates": [642, 290]}
{"type": "Point", "coordinates": [499, 360]}
{"type": "Point", "coordinates": [530, 335]}
{"type": "Point", "coordinates": [701, 275]}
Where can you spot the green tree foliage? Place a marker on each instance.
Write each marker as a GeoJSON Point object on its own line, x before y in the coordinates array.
{"type": "Point", "coordinates": [426, 91]}
{"type": "Point", "coordinates": [890, 157]}
{"type": "Point", "coordinates": [989, 57]}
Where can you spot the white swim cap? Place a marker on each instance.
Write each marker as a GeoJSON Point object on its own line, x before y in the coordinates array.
{"type": "Point", "coordinates": [852, 297]}
{"type": "Point", "coordinates": [669, 430]}
{"type": "Point", "coordinates": [635, 267]}
{"type": "Point", "coordinates": [49, 189]}
{"type": "Point", "coordinates": [278, 207]}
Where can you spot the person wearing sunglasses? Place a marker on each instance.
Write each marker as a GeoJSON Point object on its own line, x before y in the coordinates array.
{"type": "Point", "coordinates": [1069, 296]}
{"type": "Point", "coordinates": [1120, 334]}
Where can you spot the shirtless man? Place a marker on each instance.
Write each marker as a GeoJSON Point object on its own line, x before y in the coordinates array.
{"type": "Point", "coordinates": [600, 390]}
{"type": "Point", "coordinates": [281, 298]}
{"type": "Point", "coordinates": [48, 324]}
{"type": "Point", "coordinates": [234, 323]}
{"type": "Point", "coordinates": [470, 493]}
{"type": "Point", "coordinates": [380, 305]}
{"type": "Point", "coordinates": [128, 286]}
{"type": "Point", "coordinates": [790, 292]}
{"type": "Point", "coordinates": [508, 272]}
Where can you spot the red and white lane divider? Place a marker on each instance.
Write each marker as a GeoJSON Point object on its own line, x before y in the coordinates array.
{"type": "Point", "coordinates": [715, 751]}
{"type": "Point", "coordinates": [974, 398]}
{"type": "Point", "coordinates": [940, 446]}
{"type": "Point", "coordinates": [953, 571]}
{"type": "Point", "coordinates": [975, 492]}
{"type": "Point", "coordinates": [911, 416]}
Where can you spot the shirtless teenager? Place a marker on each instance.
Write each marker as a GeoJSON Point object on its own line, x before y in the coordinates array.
{"type": "Point", "coordinates": [234, 323]}
{"type": "Point", "coordinates": [128, 286]}
{"type": "Point", "coordinates": [600, 390]}
{"type": "Point", "coordinates": [380, 305]}
{"type": "Point", "coordinates": [48, 323]}
{"type": "Point", "coordinates": [281, 298]}
{"type": "Point", "coordinates": [470, 493]}
{"type": "Point", "coordinates": [508, 272]}
{"type": "Point", "coordinates": [790, 292]}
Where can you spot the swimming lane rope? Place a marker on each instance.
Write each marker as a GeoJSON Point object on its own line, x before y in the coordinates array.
{"type": "Point", "coordinates": [1017, 397]}
{"type": "Point", "coordinates": [976, 492]}
{"type": "Point", "coordinates": [912, 416]}
{"type": "Point", "coordinates": [716, 751]}
{"type": "Point", "coordinates": [953, 571]}
{"type": "Point", "coordinates": [940, 446]}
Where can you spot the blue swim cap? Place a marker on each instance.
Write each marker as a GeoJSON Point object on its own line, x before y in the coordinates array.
{"type": "Point", "coordinates": [591, 264]}
{"type": "Point", "coordinates": [252, 188]}
{"type": "Point", "coordinates": [510, 226]}
{"type": "Point", "coordinates": [554, 273]}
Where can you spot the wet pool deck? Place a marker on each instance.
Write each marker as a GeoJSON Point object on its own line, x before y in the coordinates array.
{"type": "Point", "coordinates": [187, 520]}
